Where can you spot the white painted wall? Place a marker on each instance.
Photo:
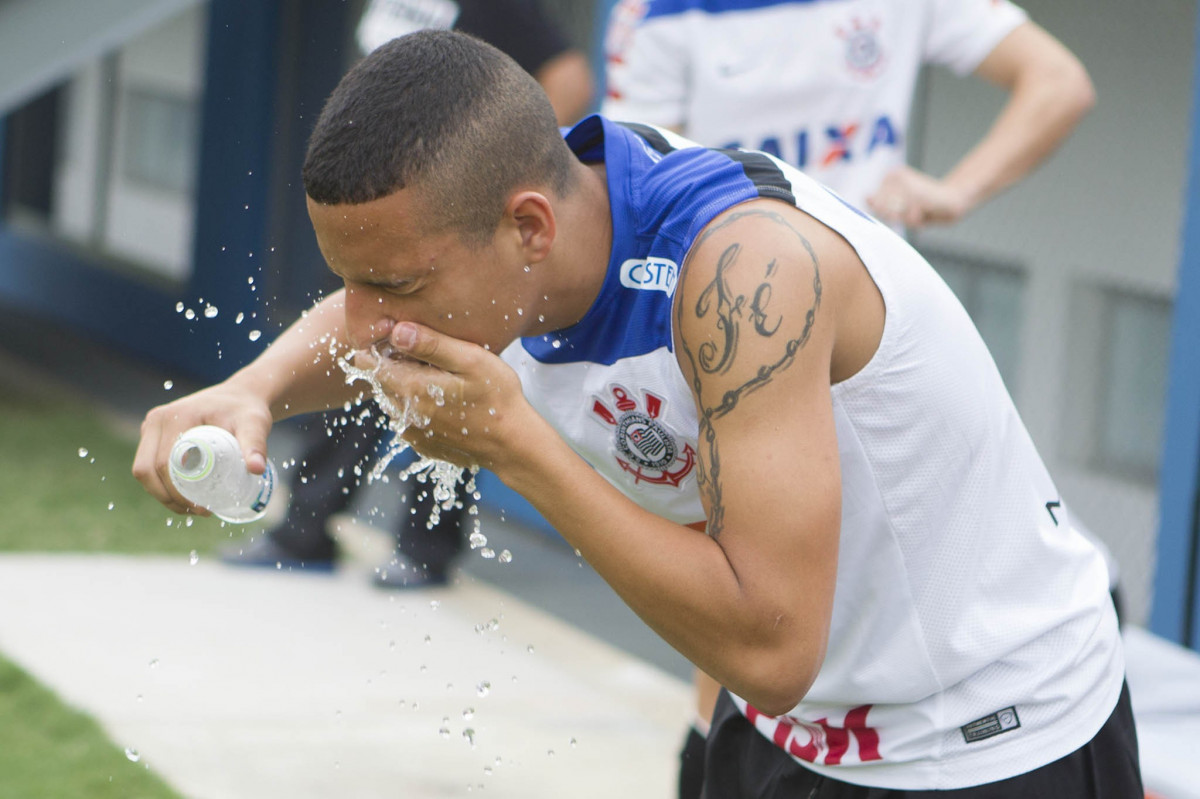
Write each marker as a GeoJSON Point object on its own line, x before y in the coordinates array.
{"type": "Point", "coordinates": [151, 226]}
{"type": "Point", "coordinates": [1106, 211]}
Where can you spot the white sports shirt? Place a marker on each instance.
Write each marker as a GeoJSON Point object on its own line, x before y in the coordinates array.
{"type": "Point", "coordinates": [972, 638]}
{"type": "Point", "coordinates": [826, 85]}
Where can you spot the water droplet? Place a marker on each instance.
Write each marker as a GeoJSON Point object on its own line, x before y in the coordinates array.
{"type": "Point", "coordinates": [484, 688]}
{"type": "Point", "coordinates": [255, 335]}
{"type": "Point", "coordinates": [468, 714]}
{"type": "Point", "coordinates": [83, 453]}
{"type": "Point", "coordinates": [526, 267]}
{"type": "Point", "coordinates": [529, 649]}
{"type": "Point", "coordinates": [237, 320]}
{"type": "Point", "coordinates": [541, 317]}
{"type": "Point", "coordinates": [168, 384]}
{"type": "Point", "coordinates": [132, 755]}
{"type": "Point", "coordinates": [505, 556]}
{"type": "Point", "coordinates": [556, 343]}
{"type": "Point", "coordinates": [153, 663]}
{"type": "Point", "coordinates": [487, 552]}
{"type": "Point", "coordinates": [111, 505]}
{"type": "Point", "coordinates": [428, 639]}
{"type": "Point", "coordinates": [549, 753]}
{"type": "Point", "coordinates": [210, 311]}
{"type": "Point", "coordinates": [469, 735]}
{"type": "Point", "coordinates": [444, 732]}
{"type": "Point", "coordinates": [189, 314]}
{"type": "Point", "coordinates": [434, 604]}
{"type": "Point", "coordinates": [179, 307]}
{"type": "Point", "coordinates": [477, 540]}
{"type": "Point", "coordinates": [193, 558]}
{"type": "Point", "coordinates": [573, 743]}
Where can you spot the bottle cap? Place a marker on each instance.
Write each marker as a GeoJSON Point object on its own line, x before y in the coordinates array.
{"type": "Point", "coordinates": [192, 459]}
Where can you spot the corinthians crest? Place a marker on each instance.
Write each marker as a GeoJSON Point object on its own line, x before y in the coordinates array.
{"type": "Point", "coordinates": [644, 446]}
{"type": "Point", "coordinates": [864, 52]}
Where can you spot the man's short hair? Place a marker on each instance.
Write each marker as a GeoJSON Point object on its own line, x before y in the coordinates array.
{"type": "Point", "coordinates": [444, 112]}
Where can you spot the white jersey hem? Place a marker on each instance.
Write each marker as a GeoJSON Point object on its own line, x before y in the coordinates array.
{"type": "Point", "coordinates": [1038, 749]}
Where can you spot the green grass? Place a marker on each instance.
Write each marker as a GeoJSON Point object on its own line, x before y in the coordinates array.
{"type": "Point", "coordinates": [49, 751]}
{"type": "Point", "coordinates": [54, 500]}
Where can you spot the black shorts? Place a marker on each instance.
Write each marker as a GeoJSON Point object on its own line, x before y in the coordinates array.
{"type": "Point", "coordinates": [740, 763]}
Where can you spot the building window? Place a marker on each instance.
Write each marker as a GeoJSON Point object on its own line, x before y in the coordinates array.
{"type": "Point", "coordinates": [1133, 386]}
{"type": "Point", "coordinates": [993, 296]}
{"type": "Point", "coordinates": [1114, 409]}
{"type": "Point", "coordinates": [160, 140]}
{"type": "Point", "coordinates": [108, 159]}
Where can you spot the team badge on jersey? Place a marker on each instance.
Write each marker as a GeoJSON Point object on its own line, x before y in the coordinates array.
{"type": "Point", "coordinates": [864, 53]}
{"type": "Point", "coordinates": [643, 446]}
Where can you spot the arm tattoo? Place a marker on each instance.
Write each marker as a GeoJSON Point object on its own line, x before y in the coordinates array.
{"type": "Point", "coordinates": [734, 313]}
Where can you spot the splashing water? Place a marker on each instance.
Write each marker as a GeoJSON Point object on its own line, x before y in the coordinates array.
{"type": "Point", "coordinates": [442, 475]}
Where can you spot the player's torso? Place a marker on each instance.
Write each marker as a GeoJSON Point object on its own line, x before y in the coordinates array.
{"type": "Point", "coordinates": [824, 85]}
{"type": "Point", "coordinates": [943, 493]}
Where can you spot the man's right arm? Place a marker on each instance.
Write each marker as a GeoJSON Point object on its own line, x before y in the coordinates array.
{"type": "Point", "coordinates": [298, 373]}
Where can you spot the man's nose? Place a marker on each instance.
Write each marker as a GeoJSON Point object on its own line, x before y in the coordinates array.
{"type": "Point", "coordinates": [367, 322]}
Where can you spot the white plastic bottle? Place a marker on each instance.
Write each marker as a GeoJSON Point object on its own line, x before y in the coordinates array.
{"type": "Point", "coordinates": [208, 469]}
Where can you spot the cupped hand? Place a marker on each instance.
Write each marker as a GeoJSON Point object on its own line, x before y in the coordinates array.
{"type": "Point", "coordinates": [464, 404]}
{"type": "Point", "coordinates": [226, 405]}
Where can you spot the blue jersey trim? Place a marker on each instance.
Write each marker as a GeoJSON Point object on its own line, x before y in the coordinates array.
{"type": "Point", "coordinates": [667, 8]}
{"type": "Point", "coordinates": [653, 218]}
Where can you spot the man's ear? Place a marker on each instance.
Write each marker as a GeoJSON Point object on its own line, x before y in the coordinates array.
{"type": "Point", "coordinates": [533, 216]}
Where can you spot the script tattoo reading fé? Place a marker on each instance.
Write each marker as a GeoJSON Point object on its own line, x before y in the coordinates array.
{"type": "Point", "coordinates": [735, 313]}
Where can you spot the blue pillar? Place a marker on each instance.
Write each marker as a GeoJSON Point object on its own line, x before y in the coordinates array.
{"type": "Point", "coordinates": [231, 240]}
{"type": "Point", "coordinates": [1175, 614]}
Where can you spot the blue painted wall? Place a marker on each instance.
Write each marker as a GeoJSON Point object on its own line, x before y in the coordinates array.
{"type": "Point", "coordinates": [1175, 613]}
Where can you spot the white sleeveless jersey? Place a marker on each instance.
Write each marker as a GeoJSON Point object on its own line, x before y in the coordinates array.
{"type": "Point", "coordinates": [826, 85]}
{"type": "Point", "coordinates": [972, 637]}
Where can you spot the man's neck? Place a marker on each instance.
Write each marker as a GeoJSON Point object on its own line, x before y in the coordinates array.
{"type": "Point", "coordinates": [583, 245]}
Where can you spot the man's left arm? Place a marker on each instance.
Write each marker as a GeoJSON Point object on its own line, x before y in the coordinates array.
{"type": "Point", "coordinates": [1049, 93]}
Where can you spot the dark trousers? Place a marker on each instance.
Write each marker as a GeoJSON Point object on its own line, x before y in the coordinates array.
{"type": "Point", "coordinates": [740, 763]}
{"type": "Point", "coordinates": [325, 482]}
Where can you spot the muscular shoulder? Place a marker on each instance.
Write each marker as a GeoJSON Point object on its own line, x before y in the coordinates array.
{"type": "Point", "coordinates": [763, 284]}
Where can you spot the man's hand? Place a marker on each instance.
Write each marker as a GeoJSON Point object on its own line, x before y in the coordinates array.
{"type": "Point", "coordinates": [227, 405]}
{"type": "Point", "coordinates": [914, 199]}
{"type": "Point", "coordinates": [466, 398]}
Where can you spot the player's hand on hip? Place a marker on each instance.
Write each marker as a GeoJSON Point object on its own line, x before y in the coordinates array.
{"type": "Point", "coordinates": [226, 405]}
{"type": "Point", "coordinates": [914, 199]}
{"type": "Point", "coordinates": [461, 400]}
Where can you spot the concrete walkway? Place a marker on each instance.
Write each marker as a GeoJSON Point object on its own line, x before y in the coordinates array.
{"type": "Point", "coordinates": [234, 683]}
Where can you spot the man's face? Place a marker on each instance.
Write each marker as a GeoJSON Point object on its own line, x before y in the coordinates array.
{"type": "Point", "coordinates": [396, 271]}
